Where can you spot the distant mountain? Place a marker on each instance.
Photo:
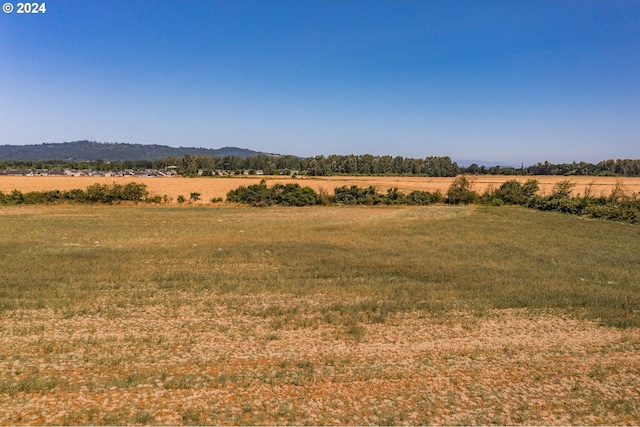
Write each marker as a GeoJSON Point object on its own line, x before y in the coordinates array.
{"type": "Point", "coordinates": [89, 151]}
{"type": "Point", "coordinates": [486, 163]}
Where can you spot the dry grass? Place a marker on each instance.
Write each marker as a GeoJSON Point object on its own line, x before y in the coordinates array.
{"type": "Point", "coordinates": [214, 187]}
{"type": "Point", "coordinates": [320, 316]}
{"type": "Point", "coordinates": [207, 364]}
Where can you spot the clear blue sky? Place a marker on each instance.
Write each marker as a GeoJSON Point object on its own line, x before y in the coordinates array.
{"type": "Point", "coordinates": [511, 81]}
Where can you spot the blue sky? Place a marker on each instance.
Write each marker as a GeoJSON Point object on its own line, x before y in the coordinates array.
{"type": "Point", "coordinates": [510, 81]}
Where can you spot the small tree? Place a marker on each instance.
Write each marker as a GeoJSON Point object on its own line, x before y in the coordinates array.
{"type": "Point", "coordinates": [460, 191]}
{"type": "Point", "coordinates": [514, 193]}
{"type": "Point", "coordinates": [562, 189]}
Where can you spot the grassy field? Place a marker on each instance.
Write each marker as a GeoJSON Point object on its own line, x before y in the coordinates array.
{"type": "Point", "coordinates": [215, 187]}
{"type": "Point", "coordinates": [322, 315]}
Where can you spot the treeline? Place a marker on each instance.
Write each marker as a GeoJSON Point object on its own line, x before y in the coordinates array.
{"type": "Point", "coordinates": [383, 165]}
{"type": "Point", "coordinates": [314, 166]}
{"type": "Point", "coordinates": [619, 167]}
{"type": "Point", "coordinates": [339, 165]}
{"type": "Point", "coordinates": [617, 206]}
{"type": "Point", "coordinates": [95, 193]}
{"type": "Point", "coordinates": [269, 165]}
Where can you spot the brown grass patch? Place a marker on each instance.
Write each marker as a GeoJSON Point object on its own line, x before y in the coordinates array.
{"type": "Point", "coordinates": [208, 364]}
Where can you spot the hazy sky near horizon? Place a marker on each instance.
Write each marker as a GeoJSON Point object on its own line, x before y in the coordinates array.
{"type": "Point", "coordinates": [510, 81]}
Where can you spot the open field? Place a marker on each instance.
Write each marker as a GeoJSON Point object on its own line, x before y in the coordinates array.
{"type": "Point", "coordinates": [321, 315]}
{"type": "Point", "coordinates": [219, 186]}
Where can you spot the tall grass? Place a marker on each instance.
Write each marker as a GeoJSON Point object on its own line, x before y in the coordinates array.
{"type": "Point", "coordinates": [363, 264]}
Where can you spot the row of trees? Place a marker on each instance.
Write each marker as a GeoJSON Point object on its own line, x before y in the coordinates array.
{"type": "Point", "coordinates": [341, 165]}
{"type": "Point", "coordinates": [271, 165]}
{"type": "Point", "coordinates": [619, 167]}
{"type": "Point", "coordinates": [319, 165]}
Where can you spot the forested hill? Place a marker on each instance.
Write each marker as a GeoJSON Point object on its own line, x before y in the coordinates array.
{"type": "Point", "coordinates": [118, 152]}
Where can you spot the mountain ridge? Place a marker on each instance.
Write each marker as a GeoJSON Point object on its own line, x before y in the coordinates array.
{"type": "Point", "coordinates": [85, 150]}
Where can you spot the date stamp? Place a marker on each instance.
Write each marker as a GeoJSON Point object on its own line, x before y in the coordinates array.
{"type": "Point", "coordinates": [25, 8]}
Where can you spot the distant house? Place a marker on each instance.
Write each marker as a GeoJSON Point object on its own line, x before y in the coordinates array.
{"type": "Point", "coordinates": [19, 172]}
{"type": "Point", "coordinates": [259, 172]}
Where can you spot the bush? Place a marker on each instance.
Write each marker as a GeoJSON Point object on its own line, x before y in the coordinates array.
{"type": "Point", "coordinates": [255, 195]}
{"type": "Point", "coordinates": [96, 193]}
{"type": "Point", "coordinates": [294, 195]}
{"type": "Point", "coordinates": [513, 193]}
{"type": "Point", "coordinates": [355, 195]}
{"type": "Point", "coordinates": [279, 194]}
{"type": "Point", "coordinates": [133, 192]}
{"type": "Point", "coordinates": [394, 197]}
{"type": "Point", "coordinates": [460, 192]}
{"type": "Point", "coordinates": [423, 198]}
{"type": "Point", "coordinates": [562, 189]}
{"type": "Point", "coordinates": [103, 193]}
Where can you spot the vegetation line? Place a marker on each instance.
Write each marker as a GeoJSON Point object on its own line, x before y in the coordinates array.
{"type": "Point", "coordinates": [366, 164]}
{"type": "Point", "coordinates": [618, 206]}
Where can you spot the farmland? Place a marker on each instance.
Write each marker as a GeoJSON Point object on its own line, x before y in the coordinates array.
{"type": "Point", "coordinates": [217, 314]}
{"type": "Point", "coordinates": [219, 186]}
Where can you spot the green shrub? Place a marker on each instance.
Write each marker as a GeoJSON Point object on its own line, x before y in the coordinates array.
{"type": "Point", "coordinates": [512, 192]}
{"type": "Point", "coordinates": [355, 195]}
{"type": "Point", "coordinates": [294, 195]}
{"type": "Point", "coordinates": [417, 197]}
{"type": "Point", "coordinates": [255, 195]}
{"type": "Point", "coordinates": [562, 189]}
{"type": "Point", "coordinates": [460, 192]}
{"type": "Point", "coordinates": [279, 194]}
{"type": "Point", "coordinates": [394, 197]}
